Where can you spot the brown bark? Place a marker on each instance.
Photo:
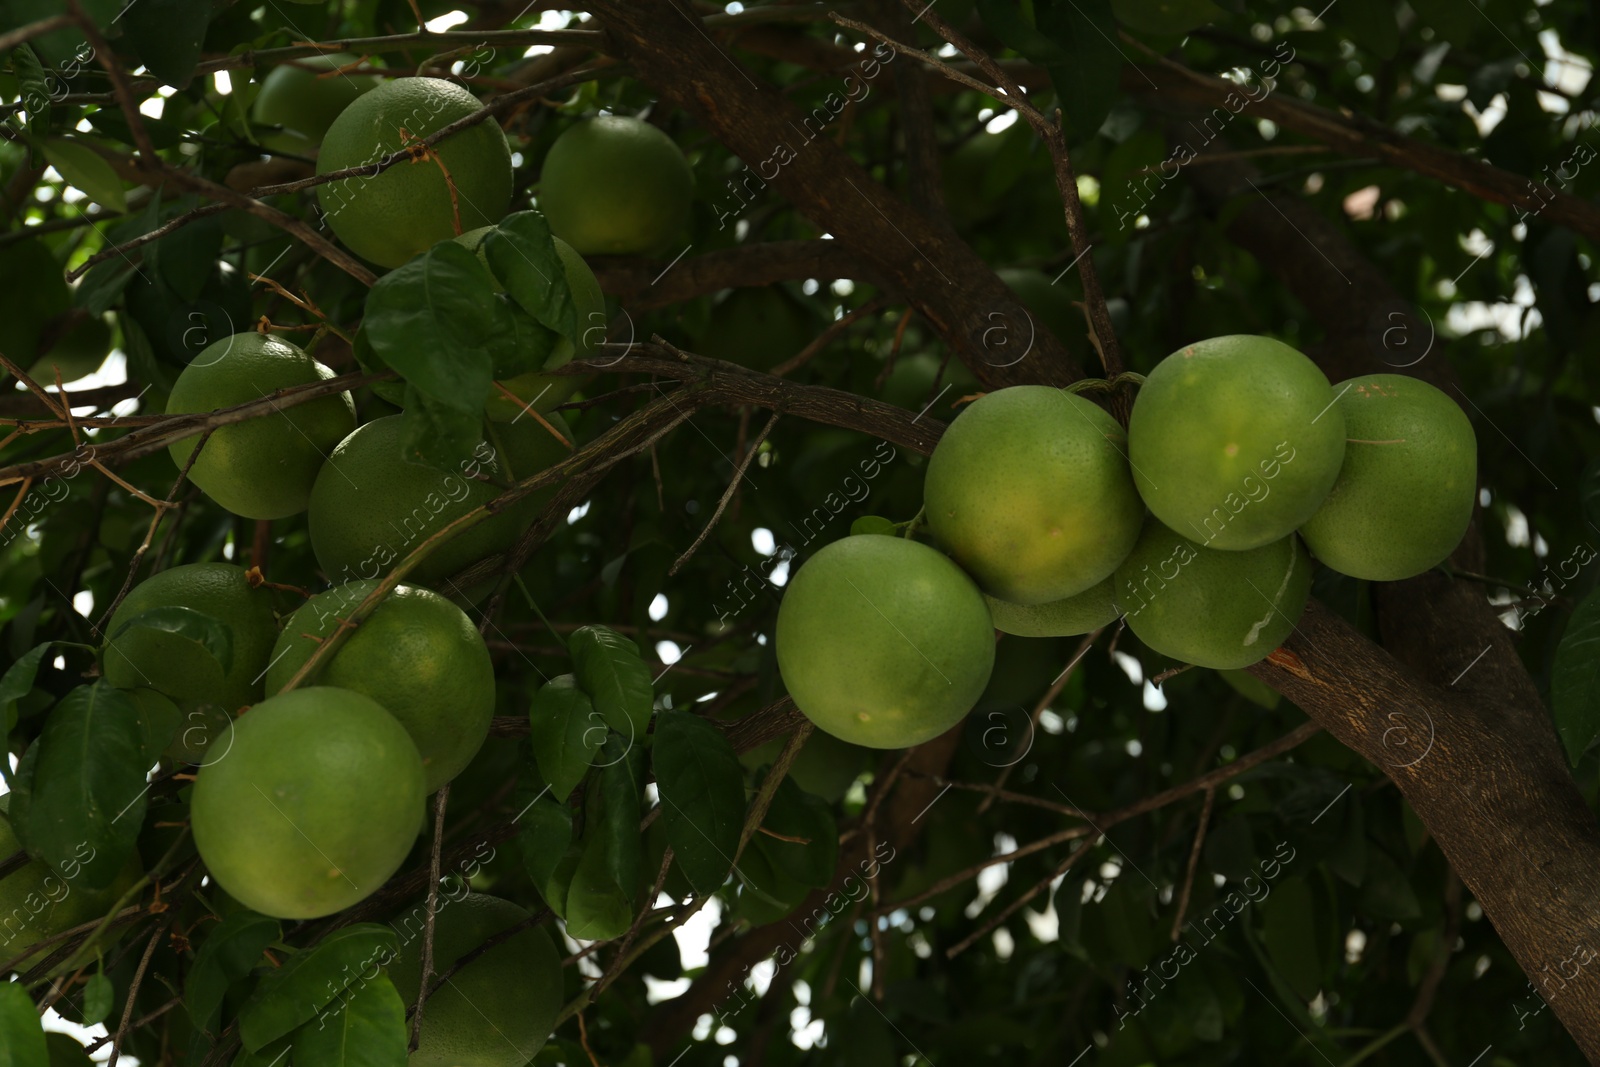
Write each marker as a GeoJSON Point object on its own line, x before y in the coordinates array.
{"type": "Point", "coordinates": [793, 152]}
{"type": "Point", "coordinates": [1445, 708]}
{"type": "Point", "coordinates": [643, 284]}
{"type": "Point", "coordinates": [1357, 135]}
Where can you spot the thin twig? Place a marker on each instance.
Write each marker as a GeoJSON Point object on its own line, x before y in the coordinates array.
{"type": "Point", "coordinates": [440, 800]}
{"type": "Point", "coordinates": [1044, 702]}
{"type": "Point", "coordinates": [825, 338]}
{"type": "Point", "coordinates": [155, 521]}
{"type": "Point", "coordinates": [119, 83]}
{"type": "Point", "coordinates": [727, 495]}
{"type": "Point", "coordinates": [133, 993]}
{"type": "Point", "coordinates": [1194, 862]}
{"type": "Point", "coordinates": [1012, 908]}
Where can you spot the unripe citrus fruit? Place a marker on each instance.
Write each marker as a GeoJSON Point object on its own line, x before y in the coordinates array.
{"type": "Point", "coordinates": [758, 327]}
{"type": "Point", "coordinates": [1080, 613]}
{"type": "Point", "coordinates": [536, 389]}
{"type": "Point", "coordinates": [390, 217]}
{"type": "Point", "coordinates": [1029, 491]}
{"type": "Point", "coordinates": [1235, 441]}
{"type": "Point", "coordinates": [179, 666]}
{"type": "Point", "coordinates": [498, 1010]}
{"type": "Point", "coordinates": [1209, 607]}
{"type": "Point", "coordinates": [313, 806]}
{"type": "Point", "coordinates": [1404, 495]}
{"type": "Point", "coordinates": [301, 97]}
{"type": "Point", "coordinates": [883, 641]}
{"type": "Point", "coordinates": [371, 506]}
{"type": "Point", "coordinates": [37, 901]}
{"type": "Point", "coordinates": [417, 654]}
{"type": "Point", "coordinates": [615, 185]}
{"type": "Point", "coordinates": [261, 468]}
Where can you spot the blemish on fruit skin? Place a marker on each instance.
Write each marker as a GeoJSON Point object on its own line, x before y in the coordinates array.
{"type": "Point", "coordinates": [1230, 450]}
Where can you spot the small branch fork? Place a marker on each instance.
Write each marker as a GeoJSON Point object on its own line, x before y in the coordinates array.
{"type": "Point", "coordinates": [1005, 90]}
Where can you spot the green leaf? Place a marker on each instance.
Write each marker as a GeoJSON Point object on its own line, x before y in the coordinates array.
{"type": "Point", "coordinates": [309, 980]}
{"type": "Point", "coordinates": [545, 838]}
{"type": "Point", "coordinates": [1456, 22]}
{"type": "Point", "coordinates": [794, 813]}
{"type": "Point", "coordinates": [702, 796]}
{"type": "Point", "coordinates": [21, 1035]}
{"type": "Point", "coordinates": [66, 1052]}
{"type": "Point", "coordinates": [275, 1054]}
{"type": "Point", "coordinates": [1289, 933]}
{"type": "Point", "coordinates": [97, 998]}
{"type": "Point", "coordinates": [168, 35]}
{"type": "Point", "coordinates": [1372, 24]}
{"type": "Point", "coordinates": [600, 900]}
{"type": "Point", "coordinates": [17, 682]}
{"type": "Point", "coordinates": [1575, 680]}
{"type": "Point", "coordinates": [611, 671]}
{"type": "Point", "coordinates": [1087, 81]}
{"type": "Point", "coordinates": [367, 1028]}
{"type": "Point", "coordinates": [437, 321]}
{"type": "Point", "coordinates": [208, 632]}
{"type": "Point", "coordinates": [231, 952]}
{"type": "Point", "coordinates": [1386, 892]}
{"type": "Point", "coordinates": [85, 170]}
{"type": "Point", "coordinates": [1167, 16]}
{"type": "Point", "coordinates": [523, 256]}
{"type": "Point", "coordinates": [565, 732]}
{"type": "Point", "coordinates": [186, 258]}
{"type": "Point", "coordinates": [1251, 688]}
{"type": "Point", "coordinates": [436, 433]}
{"type": "Point", "coordinates": [873, 524]}
{"type": "Point", "coordinates": [34, 88]}
{"type": "Point", "coordinates": [1589, 492]}
{"type": "Point", "coordinates": [88, 786]}
{"type": "Point", "coordinates": [1016, 27]}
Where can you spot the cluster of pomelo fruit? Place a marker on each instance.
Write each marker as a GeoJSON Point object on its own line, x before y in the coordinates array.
{"type": "Point", "coordinates": [1244, 457]}
{"type": "Point", "coordinates": [306, 804]}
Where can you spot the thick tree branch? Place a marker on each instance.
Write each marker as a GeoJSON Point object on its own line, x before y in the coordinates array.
{"type": "Point", "coordinates": [645, 284]}
{"type": "Point", "coordinates": [786, 149]}
{"type": "Point", "coordinates": [1353, 134]}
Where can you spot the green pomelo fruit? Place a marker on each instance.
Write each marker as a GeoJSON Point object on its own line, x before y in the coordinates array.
{"type": "Point", "coordinates": [390, 217]}
{"type": "Point", "coordinates": [615, 185]}
{"type": "Point", "coordinates": [1080, 613]}
{"type": "Point", "coordinates": [1029, 491]}
{"type": "Point", "coordinates": [1235, 441]}
{"type": "Point", "coordinates": [371, 506]}
{"type": "Point", "coordinates": [179, 666]}
{"type": "Point", "coordinates": [1404, 496]}
{"type": "Point", "coordinates": [1050, 305]}
{"type": "Point", "coordinates": [1209, 607]}
{"type": "Point", "coordinates": [312, 807]}
{"type": "Point", "coordinates": [262, 468]}
{"type": "Point", "coordinates": [883, 642]}
{"type": "Point", "coordinates": [536, 389]}
{"type": "Point", "coordinates": [300, 98]}
{"type": "Point", "coordinates": [498, 1010]}
{"type": "Point", "coordinates": [417, 654]}
{"type": "Point", "coordinates": [758, 327]}
{"type": "Point", "coordinates": [38, 901]}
